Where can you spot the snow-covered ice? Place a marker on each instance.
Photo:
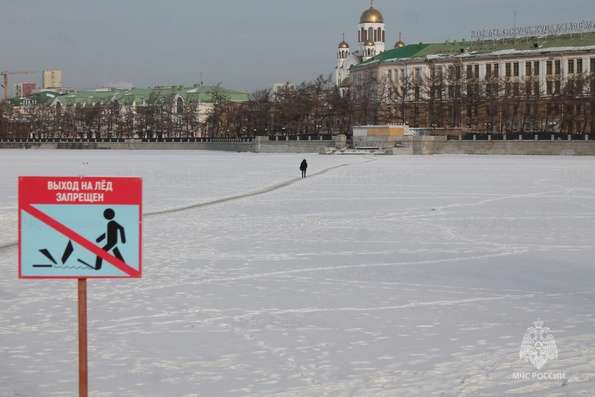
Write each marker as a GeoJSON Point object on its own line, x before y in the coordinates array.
{"type": "Point", "coordinates": [385, 276]}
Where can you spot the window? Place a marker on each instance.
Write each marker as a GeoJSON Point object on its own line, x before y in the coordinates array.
{"type": "Point", "coordinates": [549, 68]}
{"type": "Point", "coordinates": [437, 73]}
{"type": "Point", "coordinates": [580, 86]}
{"type": "Point", "coordinates": [179, 105]}
{"type": "Point", "coordinates": [516, 87]}
{"type": "Point", "coordinates": [477, 71]}
{"type": "Point", "coordinates": [536, 68]}
{"type": "Point", "coordinates": [527, 68]}
{"type": "Point", "coordinates": [557, 87]}
{"type": "Point", "coordinates": [571, 66]}
{"type": "Point", "coordinates": [536, 88]}
{"type": "Point", "coordinates": [488, 71]}
{"type": "Point", "coordinates": [508, 89]}
{"type": "Point", "coordinates": [496, 70]}
{"type": "Point", "coordinates": [508, 69]}
{"type": "Point", "coordinates": [469, 71]}
{"type": "Point", "coordinates": [516, 69]}
{"type": "Point", "coordinates": [579, 66]}
{"type": "Point", "coordinates": [550, 88]}
{"type": "Point", "coordinates": [558, 67]}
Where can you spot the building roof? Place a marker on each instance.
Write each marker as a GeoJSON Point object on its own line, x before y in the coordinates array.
{"type": "Point", "coordinates": [400, 43]}
{"type": "Point", "coordinates": [38, 98]}
{"type": "Point", "coordinates": [371, 15]}
{"type": "Point", "coordinates": [478, 48]}
{"type": "Point", "coordinates": [343, 44]}
{"type": "Point", "coordinates": [144, 96]}
{"type": "Point", "coordinates": [86, 97]}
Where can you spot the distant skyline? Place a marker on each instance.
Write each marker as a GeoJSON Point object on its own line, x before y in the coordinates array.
{"type": "Point", "coordinates": [245, 45]}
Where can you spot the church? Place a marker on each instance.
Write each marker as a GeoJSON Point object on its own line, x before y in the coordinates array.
{"type": "Point", "coordinates": [371, 39]}
{"type": "Point", "coordinates": [505, 80]}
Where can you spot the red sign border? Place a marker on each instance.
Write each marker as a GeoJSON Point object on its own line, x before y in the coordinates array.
{"type": "Point", "coordinates": [140, 232]}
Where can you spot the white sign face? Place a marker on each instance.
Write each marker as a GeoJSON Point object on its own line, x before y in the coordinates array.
{"type": "Point", "coordinates": [80, 227]}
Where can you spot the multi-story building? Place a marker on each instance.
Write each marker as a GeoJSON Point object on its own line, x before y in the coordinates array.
{"type": "Point", "coordinates": [543, 81]}
{"type": "Point", "coordinates": [52, 79]}
{"type": "Point", "coordinates": [176, 99]}
{"type": "Point", "coordinates": [24, 89]}
{"type": "Point", "coordinates": [514, 84]}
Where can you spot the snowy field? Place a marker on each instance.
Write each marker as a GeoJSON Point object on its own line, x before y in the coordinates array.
{"type": "Point", "coordinates": [382, 277]}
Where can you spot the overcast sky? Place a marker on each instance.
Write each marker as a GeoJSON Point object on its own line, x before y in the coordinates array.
{"type": "Point", "coordinates": [245, 44]}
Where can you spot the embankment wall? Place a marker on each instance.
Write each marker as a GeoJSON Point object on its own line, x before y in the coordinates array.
{"type": "Point", "coordinates": [258, 145]}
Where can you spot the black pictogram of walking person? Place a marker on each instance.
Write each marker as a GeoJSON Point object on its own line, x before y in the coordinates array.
{"type": "Point", "coordinates": [113, 230]}
{"type": "Point", "coordinates": [304, 167]}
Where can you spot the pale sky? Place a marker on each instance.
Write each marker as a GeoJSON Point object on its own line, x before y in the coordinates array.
{"type": "Point", "coordinates": [245, 44]}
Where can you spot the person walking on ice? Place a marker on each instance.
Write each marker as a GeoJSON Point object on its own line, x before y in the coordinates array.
{"type": "Point", "coordinates": [304, 167]}
{"type": "Point", "coordinates": [113, 230]}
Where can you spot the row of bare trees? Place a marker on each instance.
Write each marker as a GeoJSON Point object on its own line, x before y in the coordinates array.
{"type": "Point", "coordinates": [315, 107]}
{"type": "Point", "coordinates": [308, 108]}
{"type": "Point", "coordinates": [155, 119]}
{"type": "Point", "coordinates": [453, 97]}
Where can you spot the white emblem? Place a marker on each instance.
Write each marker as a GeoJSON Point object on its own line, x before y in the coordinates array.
{"type": "Point", "coordinates": [538, 346]}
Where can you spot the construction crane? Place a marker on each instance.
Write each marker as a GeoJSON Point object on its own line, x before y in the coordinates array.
{"type": "Point", "coordinates": [5, 79]}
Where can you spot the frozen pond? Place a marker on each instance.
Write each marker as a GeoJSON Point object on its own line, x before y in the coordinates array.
{"type": "Point", "coordinates": [385, 276]}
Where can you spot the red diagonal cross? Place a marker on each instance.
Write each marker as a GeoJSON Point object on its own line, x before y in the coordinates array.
{"type": "Point", "coordinates": [77, 238]}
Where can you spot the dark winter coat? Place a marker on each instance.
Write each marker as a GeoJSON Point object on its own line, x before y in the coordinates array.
{"type": "Point", "coordinates": [304, 165]}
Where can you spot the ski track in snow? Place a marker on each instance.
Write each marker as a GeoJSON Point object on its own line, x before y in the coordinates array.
{"type": "Point", "coordinates": [13, 244]}
{"type": "Point", "coordinates": [242, 196]}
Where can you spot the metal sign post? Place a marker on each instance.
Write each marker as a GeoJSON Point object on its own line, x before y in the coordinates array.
{"type": "Point", "coordinates": [82, 317]}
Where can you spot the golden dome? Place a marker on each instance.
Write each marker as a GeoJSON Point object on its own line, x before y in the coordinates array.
{"type": "Point", "coordinates": [371, 15]}
{"type": "Point", "coordinates": [343, 44]}
{"type": "Point", "coordinates": [400, 44]}
{"type": "Point", "coordinates": [369, 43]}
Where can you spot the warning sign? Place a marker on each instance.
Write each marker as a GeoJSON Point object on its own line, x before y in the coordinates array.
{"type": "Point", "coordinates": [80, 227]}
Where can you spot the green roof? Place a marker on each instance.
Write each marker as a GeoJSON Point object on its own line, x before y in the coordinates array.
{"type": "Point", "coordinates": [86, 97]}
{"type": "Point", "coordinates": [39, 98]}
{"type": "Point", "coordinates": [143, 96]}
{"type": "Point", "coordinates": [422, 50]}
{"type": "Point", "coordinates": [409, 51]}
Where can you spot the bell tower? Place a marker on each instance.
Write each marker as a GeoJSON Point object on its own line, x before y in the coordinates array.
{"type": "Point", "coordinates": [371, 29]}
{"type": "Point", "coordinates": [343, 53]}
